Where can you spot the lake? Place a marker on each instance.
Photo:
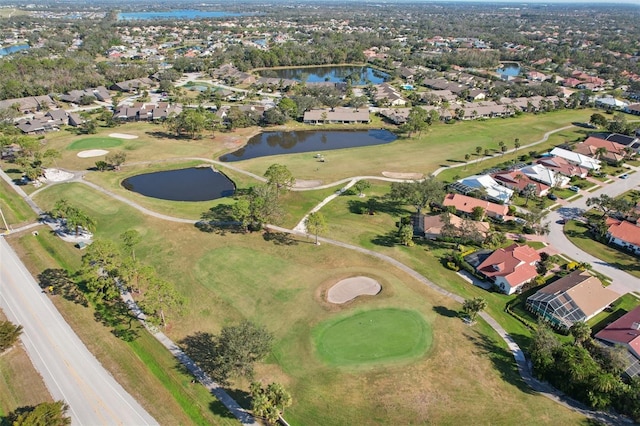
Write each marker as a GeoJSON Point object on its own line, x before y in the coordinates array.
{"type": "Point", "coordinates": [511, 69]}
{"type": "Point", "coordinates": [276, 143]}
{"type": "Point", "coordinates": [193, 184]}
{"type": "Point", "coordinates": [335, 74]}
{"type": "Point", "coordinates": [13, 49]}
{"type": "Point", "coordinates": [176, 14]}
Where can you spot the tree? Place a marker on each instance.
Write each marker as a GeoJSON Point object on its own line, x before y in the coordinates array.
{"type": "Point", "coordinates": [9, 334]}
{"type": "Point", "coordinates": [269, 403]}
{"type": "Point", "coordinates": [116, 159]}
{"type": "Point", "coordinates": [516, 144]}
{"type": "Point", "coordinates": [279, 177]}
{"type": "Point", "coordinates": [160, 296]}
{"type": "Point", "coordinates": [467, 157]}
{"type": "Point", "coordinates": [74, 218]}
{"type": "Point", "coordinates": [130, 239]}
{"type": "Point", "coordinates": [361, 186]}
{"type": "Point", "coordinates": [528, 191]}
{"type": "Point", "coordinates": [602, 202]}
{"type": "Point", "coordinates": [46, 413]}
{"type": "Point", "coordinates": [102, 166]}
{"type": "Point", "coordinates": [190, 121]}
{"type": "Point", "coordinates": [358, 102]}
{"type": "Point", "coordinates": [416, 121]}
{"type": "Point", "coordinates": [315, 224]}
{"type": "Point", "coordinates": [100, 269]}
{"type": "Point", "coordinates": [581, 332]}
{"type": "Point", "coordinates": [600, 152]}
{"type": "Point", "coordinates": [241, 212]}
{"type": "Point", "coordinates": [542, 349]}
{"type": "Point", "coordinates": [263, 205]}
{"type": "Point", "coordinates": [238, 348]}
{"type": "Point", "coordinates": [406, 234]}
{"type": "Point", "coordinates": [472, 307]}
{"type": "Point", "coordinates": [418, 193]}
{"type": "Point", "coordinates": [288, 107]}
{"type": "Point", "coordinates": [598, 120]}
{"type": "Point", "coordinates": [477, 213]}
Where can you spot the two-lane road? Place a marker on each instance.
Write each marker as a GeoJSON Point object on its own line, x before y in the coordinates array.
{"type": "Point", "coordinates": [69, 370]}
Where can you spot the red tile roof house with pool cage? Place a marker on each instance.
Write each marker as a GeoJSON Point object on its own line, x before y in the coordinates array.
{"type": "Point", "coordinates": [624, 234]}
{"type": "Point", "coordinates": [510, 268]}
{"type": "Point", "coordinates": [624, 331]}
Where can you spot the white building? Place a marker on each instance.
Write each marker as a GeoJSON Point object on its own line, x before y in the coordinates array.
{"type": "Point", "coordinates": [577, 159]}
{"type": "Point", "coordinates": [489, 185]}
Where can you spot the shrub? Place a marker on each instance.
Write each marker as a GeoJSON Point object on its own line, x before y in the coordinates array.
{"type": "Point", "coordinates": [453, 266]}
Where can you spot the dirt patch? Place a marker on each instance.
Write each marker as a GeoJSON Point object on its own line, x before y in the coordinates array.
{"type": "Point", "coordinates": [348, 289]}
{"type": "Point", "coordinates": [122, 136]}
{"type": "Point", "coordinates": [307, 183]}
{"type": "Point", "coordinates": [92, 153]}
{"type": "Point", "coordinates": [397, 175]}
{"type": "Point", "coordinates": [55, 175]}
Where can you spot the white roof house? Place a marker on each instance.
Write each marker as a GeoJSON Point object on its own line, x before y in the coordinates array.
{"type": "Point", "coordinates": [492, 188]}
{"type": "Point", "coordinates": [540, 173]}
{"type": "Point", "coordinates": [577, 159]}
{"type": "Point", "coordinates": [610, 102]}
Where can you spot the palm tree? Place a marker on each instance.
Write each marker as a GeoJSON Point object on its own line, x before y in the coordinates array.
{"type": "Point", "coordinates": [316, 224]}
{"type": "Point", "coordinates": [466, 160]}
{"type": "Point", "coordinates": [581, 332]}
{"type": "Point", "coordinates": [471, 307]}
{"type": "Point", "coordinates": [516, 144]}
{"type": "Point", "coordinates": [600, 152]}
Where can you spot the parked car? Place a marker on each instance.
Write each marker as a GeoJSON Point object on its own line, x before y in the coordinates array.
{"type": "Point", "coordinates": [552, 197]}
{"type": "Point", "coordinates": [574, 188]}
{"type": "Point", "coordinates": [624, 176]}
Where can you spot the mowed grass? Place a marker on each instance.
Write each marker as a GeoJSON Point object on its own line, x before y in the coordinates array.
{"type": "Point", "coordinates": [372, 337]}
{"type": "Point", "coordinates": [95, 143]}
{"type": "Point", "coordinates": [442, 145]}
{"type": "Point", "coordinates": [280, 283]}
{"type": "Point", "coordinates": [578, 234]}
{"type": "Point", "coordinates": [16, 211]}
{"type": "Point", "coordinates": [20, 384]}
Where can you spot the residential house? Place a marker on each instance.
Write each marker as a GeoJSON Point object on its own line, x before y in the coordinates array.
{"type": "Point", "coordinates": [624, 234]}
{"type": "Point", "coordinates": [337, 115]}
{"type": "Point", "coordinates": [625, 331]}
{"type": "Point", "coordinates": [430, 227]}
{"type": "Point", "coordinates": [614, 151]}
{"type": "Point", "coordinates": [630, 141]}
{"type": "Point", "coordinates": [518, 181]}
{"type": "Point", "coordinates": [544, 175]}
{"type": "Point", "coordinates": [74, 96]}
{"type": "Point", "coordinates": [577, 159]}
{"type": "Point", "coordinates": [578, 296]}
{"type": "Point", "coordinates": [632, 109]}
{"type": "Point", "coordinates": [610, 103]}
{"type": "Point", "coordinates": [386, 92]}
{"type": "Point", "coordinates": [395, 115]}
{"type": "Point", "coordinates": [510, 268]}
{"type": "Point", "coordinates": [465, 204]}
{"type": "Point", "coordinates": [29, 103]}
{"type": "Point", "coordinates": [492, 189]}
{"type": "Point", "coordinates": [477, 95]}
{"type": "Point", "coordinates": [561, 167]}
{"type": "Point", "coordinates": [134, 85]}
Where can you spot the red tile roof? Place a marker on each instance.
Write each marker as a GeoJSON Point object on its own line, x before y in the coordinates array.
{"type": "Point", "coordinates": [466, 204]}
{"type": "Point", "coordinates": [518, 180]}
{"type": "Point", "coordinates": [514, 263]}
{"type": "Point", "coordinates": [625, 330]}
{"type": "Point", "coordinates": [624, 231]}
{"type": "Point", "coordinates": [562, 166]}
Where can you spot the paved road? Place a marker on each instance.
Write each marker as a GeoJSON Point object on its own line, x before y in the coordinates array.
{"type": "Point", "coordinates": [69, 370]}
{"type": "Point", "coordinates": [622, 281]}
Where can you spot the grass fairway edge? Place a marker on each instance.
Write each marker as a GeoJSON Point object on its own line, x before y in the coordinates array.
{"type": "Point", "coordinates": [371, 337]}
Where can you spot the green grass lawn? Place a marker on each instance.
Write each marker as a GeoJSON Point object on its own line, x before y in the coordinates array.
{"type": "Point", "coordinates": [441, 145]}
{"type": "Point", "coordinates": [372, 337]}
{"type": "Point", "coordinates": [280, 283]}
{"type": "Point", "coordinates": [15, 210]}
{"type": "Point", "coordinates": [95, 143]}
{"type": "Point", "coordinates": [620, 307]}
{"type": "Point", "coordinates": [578, 233]}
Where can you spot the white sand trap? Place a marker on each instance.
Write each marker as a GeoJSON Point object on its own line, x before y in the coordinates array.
{"type": "Point", "coordinates": [122, 136]}
{"type": "Point", "coordinates": [92, 153]}
{"type": "Point", "coordinates": [350, 288]}
{"type": "Point", "coordinates": [55, 175]}
{"type": "Point", "coordinates": [396, 175]}
{"type": "Point", "coordinates": [300, 183]}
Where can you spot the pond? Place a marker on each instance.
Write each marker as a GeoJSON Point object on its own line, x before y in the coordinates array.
{"type": "Point", "coordinates": [13, 49]}
{"type": "Point", "coordinates": [176, 14]}
{"type": "Point", "coordinates": [276, 143]}
{"type": "Point", "coordinates": [511, 69]}
{"type": "Point", "coordinates": [193, 184]}
{"type": "Point", "coordinates": [336, 74]}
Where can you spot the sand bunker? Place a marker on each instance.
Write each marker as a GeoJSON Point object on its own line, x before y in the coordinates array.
{"type": "Point", "coordinates": [92, 153]}
{"type": "Point", "coordinates": [55, 175]}
{"type": "Point", "coordinates": [300, 183]}
{"type": "Point", "coordinates": [350, 288]}
{"type": "Point", "coordinates": [122, 136]}
{"type": "Point", "coordinates": [395, 175]}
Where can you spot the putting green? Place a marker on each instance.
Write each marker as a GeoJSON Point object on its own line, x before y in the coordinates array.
{"type": "Point", "coordinates": [371, 337]}
{"type": "Point", "coordinates": [95, 143]}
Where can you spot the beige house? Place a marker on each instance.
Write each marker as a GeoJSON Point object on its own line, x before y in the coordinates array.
{"type": "Point", "coordinates": [337, 115]}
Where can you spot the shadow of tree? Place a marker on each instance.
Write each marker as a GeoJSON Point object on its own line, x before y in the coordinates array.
{"type": "Point", "coordinates": [279, 238]}
{"type": "Point", "coordinates": [166, 135]}
{"type": "Point", "coordinates": [377, 205]}
{"type": "Point", "coordinates": [62, 284]}
{"type": "Point", "coordinates": [390, 239]}
{"type": "Point", "coordinates": [201, 349]}
{"type": "Point", "coordinates": [446, 312]}
{"type": "Point", "coordinates": [501, 358]}
{"type": "Point", "coordinates": [119, 318]}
